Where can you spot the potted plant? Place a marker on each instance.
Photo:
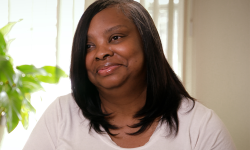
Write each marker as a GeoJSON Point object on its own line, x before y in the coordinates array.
{"type": "Point", "coordinates": [17, 84]}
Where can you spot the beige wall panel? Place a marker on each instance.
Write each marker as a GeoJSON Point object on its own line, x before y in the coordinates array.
{"type": "Point", "coordinates": [221, 46]}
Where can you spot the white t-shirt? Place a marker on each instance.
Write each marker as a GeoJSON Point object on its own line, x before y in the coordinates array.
{"type": "Point", "coordinates": [63, 127]}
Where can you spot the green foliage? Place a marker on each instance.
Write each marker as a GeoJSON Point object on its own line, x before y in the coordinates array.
{"type": "Point", "coordinates": [16, 86]}
{"type": "Point", "coordinates": [2, 45]}
{"type": "Point", "coordinates": [6, 29]}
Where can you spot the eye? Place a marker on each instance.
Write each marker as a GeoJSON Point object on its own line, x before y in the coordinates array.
{"type": "Point", "coordinates": [89, 46]}
{"type": "Point", "coordinates": [115, 38]}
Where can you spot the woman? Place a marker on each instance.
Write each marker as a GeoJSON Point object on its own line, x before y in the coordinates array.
{"type": "Point", "coordinates": [124, 93]}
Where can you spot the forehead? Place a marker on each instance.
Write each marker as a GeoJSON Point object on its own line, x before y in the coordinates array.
{"type": "Point", "coordinates": [109, 18]}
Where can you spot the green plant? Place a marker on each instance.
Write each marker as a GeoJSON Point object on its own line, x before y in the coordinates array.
{"type": "Point", "coordinates": [16, 85]}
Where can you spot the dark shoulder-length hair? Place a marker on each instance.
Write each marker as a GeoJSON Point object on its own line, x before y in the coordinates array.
{"type": "Point", "coordinates": [164, 89]}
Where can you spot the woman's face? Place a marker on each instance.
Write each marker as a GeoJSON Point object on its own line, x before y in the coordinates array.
{"type": "Point", "coordinates": [114, 50]}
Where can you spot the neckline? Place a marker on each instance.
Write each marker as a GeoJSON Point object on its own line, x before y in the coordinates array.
{"type": "Point", "coordinates": [154, 137]}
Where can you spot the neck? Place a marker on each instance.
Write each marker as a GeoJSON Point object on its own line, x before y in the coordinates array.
{"type": "Point", "coordinates": [123, 102]}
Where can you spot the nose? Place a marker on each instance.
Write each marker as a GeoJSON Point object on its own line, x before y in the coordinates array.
{"type": "Point", "coordinates": [103, 52]}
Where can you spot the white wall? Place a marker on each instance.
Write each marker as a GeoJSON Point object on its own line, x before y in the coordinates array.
{"type": "Point", "coordinates": [221, 62]}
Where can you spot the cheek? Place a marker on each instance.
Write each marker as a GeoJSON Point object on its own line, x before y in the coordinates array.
{"type": "Point", "coordinates": [89, 59]}
{"type": "Point", "coordinates": [136, 54]}
{"type": "Point", "coordinates": [89, 67]}
{"type": "Point", "coordinates": [129, 49]}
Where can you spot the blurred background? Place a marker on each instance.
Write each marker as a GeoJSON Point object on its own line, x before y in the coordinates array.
{"type": "Point", "coordinates": [206, 42]}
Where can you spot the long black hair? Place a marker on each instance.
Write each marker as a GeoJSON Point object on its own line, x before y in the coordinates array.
{"type": "Point", "coordinates": [164, 89]}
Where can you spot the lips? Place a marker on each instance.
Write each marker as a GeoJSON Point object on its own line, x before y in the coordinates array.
{"type": "Point", "coordinates": [107, 68]}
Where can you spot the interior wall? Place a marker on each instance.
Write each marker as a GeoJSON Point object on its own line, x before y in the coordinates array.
{"type": "Point", "coordinates": [221, 63]}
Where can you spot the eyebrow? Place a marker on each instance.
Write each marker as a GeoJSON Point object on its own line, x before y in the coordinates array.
{"type": "Point", "coordinates": [111, 29]}
{"type": "Point", "coordinates": [115, 28]}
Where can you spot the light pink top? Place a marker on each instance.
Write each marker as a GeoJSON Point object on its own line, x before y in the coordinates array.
{"type": "Point", "coordinates": [63, 127]}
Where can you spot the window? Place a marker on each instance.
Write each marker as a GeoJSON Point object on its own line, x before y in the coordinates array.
{"type": "Point", "coordinates": [44, 37]}
{"type": "Point", "coordinates": [168, 18]}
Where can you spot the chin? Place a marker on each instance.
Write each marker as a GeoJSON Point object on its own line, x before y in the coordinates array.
{"type": "Point", "coordinates": [111, 83]}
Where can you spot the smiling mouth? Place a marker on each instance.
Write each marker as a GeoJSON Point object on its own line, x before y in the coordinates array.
{"type": "Point", "coordinates": [107, 70]}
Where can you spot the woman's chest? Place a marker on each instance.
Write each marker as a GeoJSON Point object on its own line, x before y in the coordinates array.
{"type": "Point", "coordinates": [131, 141]}
{"type": "Point", "coordinates": [74, 136]}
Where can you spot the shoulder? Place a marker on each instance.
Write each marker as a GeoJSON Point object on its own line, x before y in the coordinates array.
{"type": "Point", "coordinates": [196, 112]}
{"type": "Point", "coordinates": [203, 126]}
{"type": "Point", "coordinates": [61, 119]}
{"type": "Point", "coordinates": [65, 102]}
{"type": "Point", "coordinates": [188, 105]}
{"type": "Point", "coordinates": [198, 116]}
{"type": "Point", "coordinates": [64, 107]}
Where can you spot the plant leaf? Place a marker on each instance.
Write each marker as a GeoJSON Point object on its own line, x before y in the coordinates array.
{"type": "Point", "coordinates": [8, 44]}
{"type": "Point", "coordinates": [1, 86]}
{"type": "Point", "coordinates": [55, 71]}
{"type": "Point", "coordinates": [12, 120]}
{"type": "Point", "coordinates": [53, 74]}
{"type": "Point", "coordinates": [31, 69]}
{"type": "Point", "coordinates": [26, 108]}
{"type": "Point", "coordinates": [27, 96]}
{"type": "Point", "coordinates": [6, 29]}
{"type": "Point", "coordinates": [30, 84]}
{"type": "Point", "coordinates": [4, 99]}
{"type": "Point", "coordinates": [2, 45]}
{"type": "Point", "coordinates": [7, 72]}
{"type": "Point", "coordinates": [13, 109]}
{"type": "Point", "coordinates": [25, 119]}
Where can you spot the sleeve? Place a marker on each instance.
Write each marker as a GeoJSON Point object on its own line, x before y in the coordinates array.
{"type": "Point", "coordinates": [44, 135]}
{"type": "Point", "coordinates": [213, 134]}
